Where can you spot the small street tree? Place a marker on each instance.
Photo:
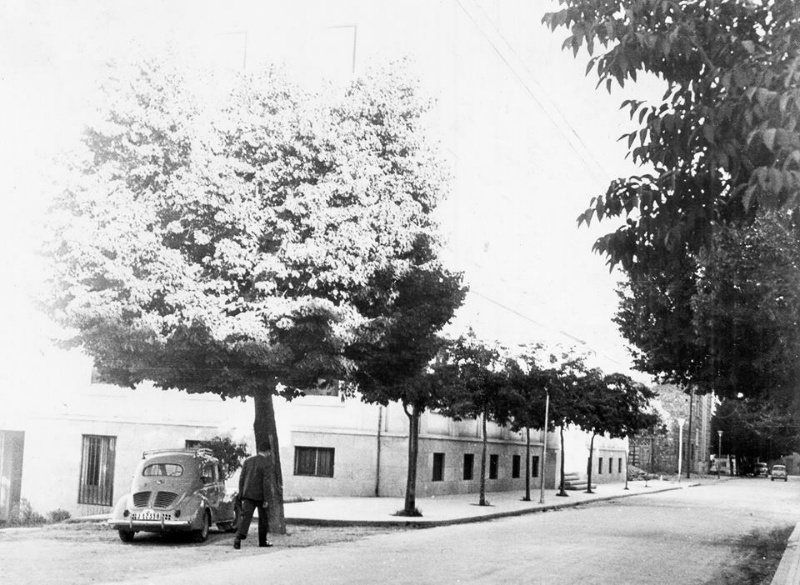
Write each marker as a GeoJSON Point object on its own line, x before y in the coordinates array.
{"type": "Point", "coordinates": [530, 384]}
{"type": "Point", "coordinates": [218, 245]}
{"type": "Point", "coordinates": [482, 389]}
{"type": "Point", "coordinates": [613, 405]}
{"type": "Point", "coordinates": [396, 352]}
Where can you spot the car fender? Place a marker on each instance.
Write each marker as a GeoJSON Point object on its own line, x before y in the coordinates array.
{"type": "Point", "coordinates": [193, 507]}
{"type": "Point", "coordinates": [119, 509]}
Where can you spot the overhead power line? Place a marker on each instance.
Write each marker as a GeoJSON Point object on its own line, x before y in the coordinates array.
{"type": "Point", "coordinates": [532, 87]}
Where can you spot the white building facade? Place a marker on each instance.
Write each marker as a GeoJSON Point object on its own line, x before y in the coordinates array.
{"type": "Point", "coordinates": [76, 449]}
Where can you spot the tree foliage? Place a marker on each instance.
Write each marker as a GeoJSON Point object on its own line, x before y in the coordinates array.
{"type": "Point", "coordinates": [753, 431]}
{"type": "Point", "coordinates": [397, 348]}
{"type": "Point", "coordinates": [220, 245]}
{"type": "Point", "coordinates": [723, 142]}
{"type": "Point", "coordinates": [478, 373]}
{"type": "Point", "coordinates": [230, 454]}
{"type": "Point", "coordinates": [720, 160]}
{"type": "Point", "coordinates": [747, 312]}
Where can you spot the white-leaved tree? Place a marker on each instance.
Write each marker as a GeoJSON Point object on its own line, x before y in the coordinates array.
{"type": "Point", "coordinates": [219, 245]}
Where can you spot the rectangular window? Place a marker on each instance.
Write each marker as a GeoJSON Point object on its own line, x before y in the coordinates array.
{"type": "Point", "coordinates": [438, 467]}
{"type": "Point", "coordinates": [469, 464]}
{"type": "Point", "coordinates": [535, 466]}
{"type": "Point", "coordinates": [316, 461]}
{"type": "Point", "coordinates": [619, 470]}
{"type": "Point", "coordinates": [97, 471]}
{"type": "Point", "coordinates": [515, 463]}
{"type": "Point", "coordinates": [494, 464]}
{"type": "Point", "coordinates": [599, 465]}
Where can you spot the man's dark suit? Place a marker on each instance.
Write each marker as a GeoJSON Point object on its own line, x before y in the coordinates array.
{"type": "Point", "coordinates": [254, 491]}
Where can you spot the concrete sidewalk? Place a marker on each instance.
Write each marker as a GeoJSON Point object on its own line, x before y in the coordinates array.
{"type": "Point", "coordinates": [460, 509]}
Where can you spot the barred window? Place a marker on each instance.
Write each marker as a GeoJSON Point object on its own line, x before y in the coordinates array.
{"type": "Point", "coordinates": [438, 467]}
{"type": "Point", "coordinates": [97, 471]}
{"type": "Point", "coordinates": [515, 465]}
{"type": "Point", "coordinates": [469, 464]}
{"type": "Point", "coordinates": [316, 461]}
{"type": "Point", "coordinates": [494, 466]}
{"type": "Point", "coordinates": [535, 466]}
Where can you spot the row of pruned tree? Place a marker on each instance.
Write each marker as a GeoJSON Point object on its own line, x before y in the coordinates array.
{"type": "Point", "coordinates": [473, 379]}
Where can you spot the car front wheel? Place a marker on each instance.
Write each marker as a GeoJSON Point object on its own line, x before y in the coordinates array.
{"type": "Point", "coordinates": [202, 534]}
{"type": "Point", "coordinates": [126, 535]}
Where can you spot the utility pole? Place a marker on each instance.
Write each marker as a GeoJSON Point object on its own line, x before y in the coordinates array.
{"type": "Point", "coordinates": [544, 446]}
{"type": "Point", "coordinates": [689, 437]}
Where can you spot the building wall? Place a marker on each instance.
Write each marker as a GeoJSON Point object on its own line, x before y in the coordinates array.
{"type": "Point", "coordinates": [658, 452]}
{"type": "Point", "coordinates": [370, 443]}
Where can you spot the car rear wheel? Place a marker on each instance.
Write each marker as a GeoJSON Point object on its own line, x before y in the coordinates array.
{"type": "Point", "coordinates": [202, 534]}
{"type": "Point", "coordinates": [126, 535]}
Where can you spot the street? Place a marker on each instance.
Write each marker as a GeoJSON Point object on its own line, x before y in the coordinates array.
{"type": "Point", "coordinates": [684, 536]}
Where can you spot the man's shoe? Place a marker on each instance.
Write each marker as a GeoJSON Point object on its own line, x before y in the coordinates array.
{"type": "Point", "coordinates": [237, 544]}
{"type": "Point", "coordinates": [265, 543]}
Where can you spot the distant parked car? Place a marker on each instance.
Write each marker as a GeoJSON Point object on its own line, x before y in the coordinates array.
{"type": "Point", "coordinates": [176, 490]}
{"type": "Point", "coordinates": [762, 470]}
{"type": "Point", "coordinates": [779, 472]}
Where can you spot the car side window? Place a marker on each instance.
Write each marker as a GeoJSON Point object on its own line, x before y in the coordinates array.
{"type": "Point", "coordinates": [209, 472]}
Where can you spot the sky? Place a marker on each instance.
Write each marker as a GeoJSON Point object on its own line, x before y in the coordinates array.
{"type": "Point", "coordinates": [531, 271]}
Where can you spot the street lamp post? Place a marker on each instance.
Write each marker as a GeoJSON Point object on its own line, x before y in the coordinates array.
{"type": "Point", "coordinates": [544, 447]}
{"type": "Point", "coordinates": [680, 446]}
{"type": "Point", "coordinates": [719, 452]}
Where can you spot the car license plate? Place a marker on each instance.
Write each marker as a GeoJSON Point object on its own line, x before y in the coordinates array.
{"type": "Point", "coordinates": [150, 515]}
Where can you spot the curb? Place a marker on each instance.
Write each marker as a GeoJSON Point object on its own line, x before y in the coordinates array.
{"type": "Point", "coordinates": [788, 572]}
{"type": "Point", "coordinates": [470, 519]}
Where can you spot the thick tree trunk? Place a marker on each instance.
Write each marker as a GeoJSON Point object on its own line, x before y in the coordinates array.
{"type": "Point", "coordinates": [561, 489]}
{"type": "Point", "coordinates": [410, 507]}
{"type": "Point", "coordinates": [527, 497]}
{"type": "Point", "coordinates": [482, 497]}
{"type": "Point", "coordinates": [264, 427]}
{"type": "Point", "coordinates": [589, 466]}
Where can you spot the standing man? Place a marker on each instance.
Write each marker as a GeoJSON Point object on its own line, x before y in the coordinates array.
{"type": "Point", "coordinates": [254, 492]}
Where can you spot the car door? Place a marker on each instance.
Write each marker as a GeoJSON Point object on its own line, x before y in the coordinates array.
{"type": "Point", "coordinates": [211, 480]}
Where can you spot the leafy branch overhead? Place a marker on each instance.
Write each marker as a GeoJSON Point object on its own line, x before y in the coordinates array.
{"type": "Point", "coordinates": [723, 142]}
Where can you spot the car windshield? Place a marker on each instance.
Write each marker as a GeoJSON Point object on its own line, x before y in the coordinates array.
{"type": "Point", "coordinates": [779, 468]}
{"type": "Point", "coordinates": [161, 469]}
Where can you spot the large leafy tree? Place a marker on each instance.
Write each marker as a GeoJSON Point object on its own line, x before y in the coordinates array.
{"type": "Point", "coordinates": [753, 431]}
{"type": "Point", "coordinates": [720, 151]}
{"type": "Point", "coordinates": [747, 311]}
{"type": "Point", "coordinates": [722, 143]}
{"type": "Point", "coordinates": [530, 381]}
{"type": "Point", "coordinates": [218, 246]}
{"type": "Point", "coordinates": [397, 349]}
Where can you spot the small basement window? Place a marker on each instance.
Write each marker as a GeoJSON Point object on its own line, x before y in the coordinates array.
{"type": "Point", "coordinates": [438, 467]}
{"type": "Point", "coordinates": [315, 461]}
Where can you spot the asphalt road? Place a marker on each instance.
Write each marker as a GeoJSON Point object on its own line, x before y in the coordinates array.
{"type": "Point", "coordinates": [685, 536]}
{"type": "Point", "coordinates": [680, 537]}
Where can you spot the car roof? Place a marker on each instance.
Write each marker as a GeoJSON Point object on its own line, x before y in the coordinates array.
{"type": "Point", "coordinates": [778, 466]}
{"type": "Point", "coordinates": [198, 452]}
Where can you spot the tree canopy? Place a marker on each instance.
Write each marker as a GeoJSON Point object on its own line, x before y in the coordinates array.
{"type": "Point", "coordinates": [220, 245]}
{"type": "Point", "coordinates": [720, 170]}
{"type": "Point", "coordinates": [722, 144]}
{"type": "Point", "coordinates": [397, 349]}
